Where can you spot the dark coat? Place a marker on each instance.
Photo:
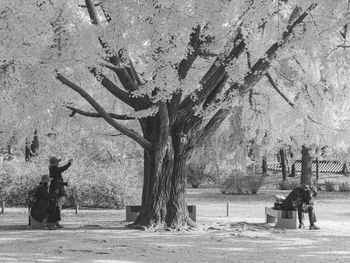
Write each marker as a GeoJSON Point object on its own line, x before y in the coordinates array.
{"type": "Point", "coordinates": [39, 210]}
{"type": "Point", "coordinates": [301, 195]}
{"type": "Point", "coordinates": [57, 179]}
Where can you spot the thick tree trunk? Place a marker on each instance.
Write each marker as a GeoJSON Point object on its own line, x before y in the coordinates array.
{"type": "Point", "coordinates": [177, 213]}
{"type": "Point", "coordinates": [306, 166]}
{"type": "Point", "coordinates": [164, 190]}
{"type": "Point", "coordinates": [283, 164]}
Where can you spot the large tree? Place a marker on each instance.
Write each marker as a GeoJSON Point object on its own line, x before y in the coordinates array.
{"type": "Point", "coordinates": [180, 67]}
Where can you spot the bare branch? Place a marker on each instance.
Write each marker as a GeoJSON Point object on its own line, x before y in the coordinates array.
{"type": "Point", "coordinates": [114, 135]}
{"type": "Point", "coordinates": [92, 12]}
{"type": "Point", "coordinates": [274, 85]}
{"type": "Point", "coordinates": [129, 132]}
{"type": "Point", "coordinates": [107, 16]}
{"type": "Point", "coordinates": [97, 115]}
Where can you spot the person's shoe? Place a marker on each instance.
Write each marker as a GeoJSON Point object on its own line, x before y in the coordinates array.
{"type": "Point", "coordinates": [301, 225]}
{"type": "Point", "coordinates": [314, 227]}
{"type": "Point", "coordinates": [50, 226]}
{"type": "Point", "coordinates": [58, 225]}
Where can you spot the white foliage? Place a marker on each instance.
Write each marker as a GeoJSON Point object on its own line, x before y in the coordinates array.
{"type": "Point", "coordinates": [40, 38]}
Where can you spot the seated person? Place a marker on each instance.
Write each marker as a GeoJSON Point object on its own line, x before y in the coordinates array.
{"type": "Point", "coordinates": [301, 199]}
{"type": "Point", "coordinates": [41, 207]}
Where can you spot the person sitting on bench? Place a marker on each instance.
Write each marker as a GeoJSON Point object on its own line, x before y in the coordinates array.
{"type": "Point", "coordinates": [41, 208]}
{"type": "Point", "coordinates": [301, 199]}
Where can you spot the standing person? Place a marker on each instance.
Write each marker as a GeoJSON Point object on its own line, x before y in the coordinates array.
{"type": "Point", "coordinates": [58, 183]}
{"type": "Point", "coordinates": [301, 199]}
{"type": "Point", "coordinates": [40, 211]}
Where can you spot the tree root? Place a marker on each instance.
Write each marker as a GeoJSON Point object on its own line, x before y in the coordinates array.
{"type": "Point", "coordinates": [162, 226]}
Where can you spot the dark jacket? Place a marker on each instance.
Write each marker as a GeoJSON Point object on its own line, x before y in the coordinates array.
{"type": "Point", "coordinates": [301, 195]}
{"type": "Point", "coordinates": [39, 210]}
{"type": "Point", "coordinates": [56, 175]}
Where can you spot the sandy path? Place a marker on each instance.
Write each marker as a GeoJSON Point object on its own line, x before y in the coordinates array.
{"type": "Point", "coordinates": [101, 236]}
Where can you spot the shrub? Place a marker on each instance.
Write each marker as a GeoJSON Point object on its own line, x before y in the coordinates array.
{"type": "Point", "coordinates": [96, 183]}
{"type": "Point", "coordinates": [16, 179]}
{"type": "Point", "coordinates": [287, 185]}
{"type": "Point", "coordinates": [197, 174]}
{"type": "Point", "coordinates": [240, 183]}
{"type": "Point", "coordinates": [330, 186]}
{"type": "Point", "coordinates": [255, 182]}
{"type": "Point", "coordinates": [344, 187]}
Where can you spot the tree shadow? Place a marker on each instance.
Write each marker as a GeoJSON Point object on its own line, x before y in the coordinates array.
{"type": "Point", "coordinates": [14, 227]}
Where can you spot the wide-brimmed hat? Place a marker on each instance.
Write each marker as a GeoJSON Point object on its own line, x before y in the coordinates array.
{"type": "Point", "coordinates": [313, 188]}
{"type": "Point", "coordinates": [45, 178]}
{"type": "Point", "coordinates": [54, 161]}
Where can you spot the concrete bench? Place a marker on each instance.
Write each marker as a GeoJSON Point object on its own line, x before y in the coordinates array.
{"type": "Point", "coordinates": [34, 224]}
{"type": "Point", "coordinates": [285, 219]}
{"type": "Point", "coordinates": [133, 210]}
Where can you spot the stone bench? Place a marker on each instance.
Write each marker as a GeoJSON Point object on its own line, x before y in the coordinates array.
{"type": "Point", "coordinates": [133, 210]}
{"type": "Point", "coordinates": [285, 219]}
{"type": "Point", "coordinates": [34, 224]}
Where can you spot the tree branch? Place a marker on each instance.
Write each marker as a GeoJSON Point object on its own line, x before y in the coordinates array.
{"type": "Point", "coordinates": [97, 115]}
{"type": "Point", "coordinates": [212, 125]}
{"type": "Point", "coordinates": [254, 75]}
{"type": "Point", "coordinates": [127, 81]}
{"type": "Point", "coordinates": [134, 74]}
{"type": "Point", "coordinates": [107, 16]}
{"type": "Point", "coordinates": [114, 89]}
{"type": "Point", "coordinates": [122, 73]}
{"type": "Point", "coordinates": [212, 78]}
{"type": "Point", "coordinates": [274, 85]}
{"type": "Point", "coordinates": [192, 54]}
{"type": "Point", "coordinates": [92, 12]}
{"type": "Point", "coordinates": [262, 65]}
{"type": "Point", "coordinates": [129, 132]}
{"type": "Point", "coordinates": [183, 68]}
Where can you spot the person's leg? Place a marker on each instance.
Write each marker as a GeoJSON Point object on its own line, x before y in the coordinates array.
{"type": "Point", "coordinates": [50, 223]}
{"type": "Point", "coordinates": [312, 217]}
{"type": "Point", "coordinates": [301, 218]}
{"type": "Point", "coordinates": [60, 202]}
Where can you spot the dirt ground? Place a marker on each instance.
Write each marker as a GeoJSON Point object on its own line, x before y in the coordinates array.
{"type": "Point", "coordinates": [98, 236]}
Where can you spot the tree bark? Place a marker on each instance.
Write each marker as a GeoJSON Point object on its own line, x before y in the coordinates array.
{"type": "Point", "coordinates": [283, 164]}
{"type": "Point", "coordinates": [164, 189]}
{"type": "Point", "coordinates": [306, 166]}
